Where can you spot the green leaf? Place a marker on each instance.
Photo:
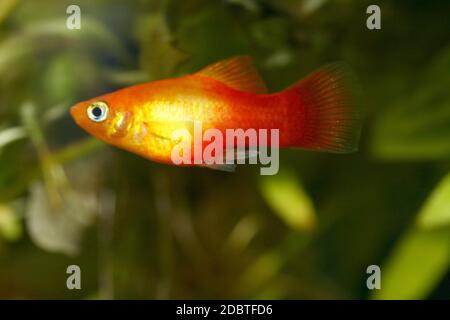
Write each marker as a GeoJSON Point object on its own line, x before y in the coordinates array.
{"type": "Point", "coordinates": [6, 7]}
{"type": "Point", "coordinates": [417, 264]}
{"type": "Point", "coordinates": [422, 256]}
{"type": "Point", "coordinates": [10, 225]}
{"type": "Point", "coordinates": [10, 135]}
{"type": "Point", "coordinates": [286, 196]}
{"type": "Point", "coordinates": [262, 270]}
{"type": "Point", "coordinates": [436, 210]}
{"type": "Point", "coordinates": [242, 234]}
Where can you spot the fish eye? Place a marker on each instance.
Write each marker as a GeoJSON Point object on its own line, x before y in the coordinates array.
{"type": "Point", "coordinates": [98, 111]}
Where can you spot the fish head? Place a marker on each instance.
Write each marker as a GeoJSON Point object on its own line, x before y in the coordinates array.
{"type": "Point", "coordinates": [131, 119]}
{"type": "Point", "coordinates": [104, 118]}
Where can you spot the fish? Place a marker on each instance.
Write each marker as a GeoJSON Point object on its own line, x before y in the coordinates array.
{"type": "Point", "coordinates": [321, 112]}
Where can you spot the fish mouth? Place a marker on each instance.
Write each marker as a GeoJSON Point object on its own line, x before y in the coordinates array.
{"type": "Point", "coordinates": [75, 113]}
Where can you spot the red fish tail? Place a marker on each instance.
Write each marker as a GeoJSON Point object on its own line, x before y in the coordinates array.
{"type": "Point", "coordinates": [325, 111]}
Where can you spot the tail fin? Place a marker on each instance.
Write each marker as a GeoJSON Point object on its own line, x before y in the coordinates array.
{"type": "Point", "coordinates": [326, 113]}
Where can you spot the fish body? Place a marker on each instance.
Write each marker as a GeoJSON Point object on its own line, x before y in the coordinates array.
{"type": "Point", "coordinates": [318, 113]}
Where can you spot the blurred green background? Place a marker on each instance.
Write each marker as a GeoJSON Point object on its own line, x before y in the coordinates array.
{"type": "Point", "coordinates": [144, 230]}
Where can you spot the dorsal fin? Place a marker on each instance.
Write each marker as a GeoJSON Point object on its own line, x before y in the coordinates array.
{"type": "Point", "coordinates": [237, 72]}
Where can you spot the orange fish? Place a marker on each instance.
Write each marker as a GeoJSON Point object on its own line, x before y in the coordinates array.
{"type": "Point", "coordinates": [319, 113]}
